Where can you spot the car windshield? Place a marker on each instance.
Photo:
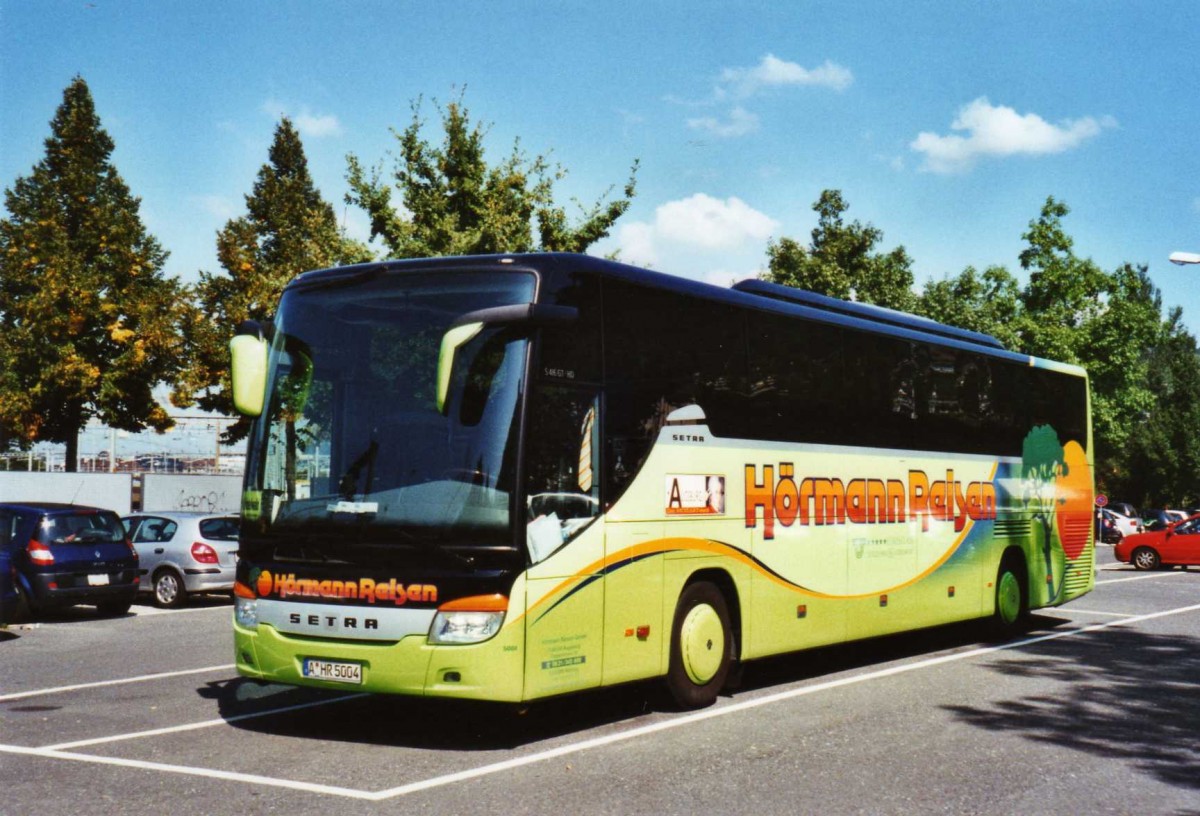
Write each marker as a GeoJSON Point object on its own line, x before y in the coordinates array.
{"type": "Point", "coordinates": [352, 448]}
{"type": "Point", "coordinates": [82, 528]}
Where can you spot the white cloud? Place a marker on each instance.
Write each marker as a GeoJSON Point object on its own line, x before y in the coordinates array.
{"type": "Point", "coordinates": [740, 122]}
{"type": "Point", "coordinates": [635, 240]}
{"type": "Point", "coordinates": [1001, 131]}
{"type": "Point", "coordinates": [317, 126]}
{"type": "Point", "coordinates": [307, 123]}
{"type": "Point", "coordinates": [697, 222]}
{"type": "Point", "coordinates": [735, 85]}
{"type": "Point", "coordinates": [773, 72]}
{"type": "Point", "coordinates": [704, 221]}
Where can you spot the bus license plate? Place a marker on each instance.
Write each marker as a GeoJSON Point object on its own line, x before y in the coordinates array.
{"type": "Point", "coordinates": [332, 670]}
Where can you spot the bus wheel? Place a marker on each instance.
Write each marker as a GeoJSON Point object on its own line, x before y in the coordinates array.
{"type": "Point", "coordinates": [701, 646]}
{"type": "Point", "coordinates": [1012, 601]}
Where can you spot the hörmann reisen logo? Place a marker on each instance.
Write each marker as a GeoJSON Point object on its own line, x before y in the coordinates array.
{"type": "Point", "coordinates": [364, 589]}
{"type": "Point", "coordinates": [822, 501]}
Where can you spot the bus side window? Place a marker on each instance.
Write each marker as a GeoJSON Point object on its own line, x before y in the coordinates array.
{"type": "Point", "coordinates": [562, 466]}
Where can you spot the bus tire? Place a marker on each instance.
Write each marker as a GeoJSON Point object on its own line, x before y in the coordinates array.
{"type": "Point", "coordinates": [701, 646]}
{"type": "Point", "coordinates": [1012, 600]}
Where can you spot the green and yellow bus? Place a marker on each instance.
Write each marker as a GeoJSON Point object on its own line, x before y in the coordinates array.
{"type": "Point", "coordinates": [513, 477]}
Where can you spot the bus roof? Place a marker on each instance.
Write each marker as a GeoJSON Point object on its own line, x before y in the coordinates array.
{"type": "Point", "coordinates": [755, 294]}
{"type": "Point", "coordinates": [864, 310]}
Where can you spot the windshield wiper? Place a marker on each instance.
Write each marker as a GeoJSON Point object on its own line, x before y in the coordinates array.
{"type": "Point", "coordinates": [348, 484]}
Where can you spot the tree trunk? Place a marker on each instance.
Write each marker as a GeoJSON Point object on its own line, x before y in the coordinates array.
{"type": "Point", "coordinates": [72, 463]}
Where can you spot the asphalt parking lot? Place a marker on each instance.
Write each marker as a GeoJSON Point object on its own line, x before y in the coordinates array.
{"type": "Point", "coordinates": [1093, 711]}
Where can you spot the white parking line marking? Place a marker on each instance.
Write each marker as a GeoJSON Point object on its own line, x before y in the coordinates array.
{"type": "Point", "coordinates": [141, 611]}
{"type": "Point", "coordinates": [175, 729]}
{"type": "Point", "coordinates": [1095, 612]}
{"type": "Point", "coordinates": [566, 750]}
{"type": "Point", "coordinates": [20, 695]}
{"type": "Point", "coordinates": [231, 776]}
{"type": "Point", "coordinates": [1140, 577]}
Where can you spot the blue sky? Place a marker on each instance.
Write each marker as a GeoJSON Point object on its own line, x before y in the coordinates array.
{"type": "Point", "coordinates": [946, 125]}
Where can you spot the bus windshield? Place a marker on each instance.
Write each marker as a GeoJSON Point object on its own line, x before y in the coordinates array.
{"type": "Point", "coordinates": [352, 454]}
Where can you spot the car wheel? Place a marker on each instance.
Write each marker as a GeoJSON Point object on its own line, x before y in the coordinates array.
{"type": "Point", "coordinates": [701, 646]}
{"type": "Point", "coordinates": [23, 611]}
{"type": "Point", "coordinates": [1145, 558]}
{"type": "Point", "coordinates": [168, 589]}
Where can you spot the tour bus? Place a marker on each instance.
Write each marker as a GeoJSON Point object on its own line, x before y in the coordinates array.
{"type": "Point", "coordinates": [513, 477]}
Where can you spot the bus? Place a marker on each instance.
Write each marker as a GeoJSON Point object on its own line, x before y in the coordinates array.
{"type": "Point", "coordinates": [513, 477]}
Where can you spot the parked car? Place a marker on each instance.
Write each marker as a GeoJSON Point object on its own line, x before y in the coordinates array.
{"type": "Point", "coordinates": [1124, 508]}
{"type": "Point", "coordinates": [66, 554]}
{"type": "Point", "coordinates": [1118, 526]}
{"type": "Point", "coordinates": [1176, 544]}
{"type": "Point", "coordinates": [1158, 519]}
{"type": "Point", "coordinates": [8, 587]}
{"type": "Point", "coordinates": [184, 553]}
{"type": "Point", "coordinates": [1108, 527]}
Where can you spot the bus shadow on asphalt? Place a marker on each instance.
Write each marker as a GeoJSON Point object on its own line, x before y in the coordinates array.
{"type": "Point", "coordinates": [426, 723]}
{"type": "Point", "coordinates": [1121, 693]}
{"type": "Point", "coordinates": [463, 725]}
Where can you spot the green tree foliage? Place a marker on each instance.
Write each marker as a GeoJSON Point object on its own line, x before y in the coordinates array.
{"type": "Point", "coordinates": [453, 202]}
{"type": "Point", "coordinates": [89, 323]}
{"type": "Point", "coordinates": [1064, 292]}
{"type": "Point", "coordinates": [1162, 465]}
{"type": "Point", "coordinates": [1115, 347]}
{"type": "Point", "coordinates": [288, 229]}
{"type": "Point", "coordinates": [842, 261]}
{"type": "Point", "coordinates": [989, 303]}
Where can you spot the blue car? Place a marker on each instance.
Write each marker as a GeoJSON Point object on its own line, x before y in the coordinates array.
{"type": "Point", "coordinates": [61, 555]}
{"type": "Point", "coordinates": [8, 588]}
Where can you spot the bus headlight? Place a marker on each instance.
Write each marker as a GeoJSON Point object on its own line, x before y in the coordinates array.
{"type": "Point", "coordinates": [245, 612]}
{"type": "Point", "coordinates": [468, 620]}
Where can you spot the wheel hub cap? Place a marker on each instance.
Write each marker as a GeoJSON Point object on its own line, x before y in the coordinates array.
{"type": "Point", "coordinates": [702, 642]}
{"type": "Point", "coordinates": [1009, 598]}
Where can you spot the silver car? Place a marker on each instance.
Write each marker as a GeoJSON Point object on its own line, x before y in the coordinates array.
{"type": "Point", "coordinates": [182, 553]}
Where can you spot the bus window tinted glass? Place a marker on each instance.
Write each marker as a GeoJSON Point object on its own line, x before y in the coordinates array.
{"type": "Point", "coordinates": [663, 352]}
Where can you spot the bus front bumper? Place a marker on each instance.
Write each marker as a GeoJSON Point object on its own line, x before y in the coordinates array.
{"type": "Point", "coordinates": [492, 670]}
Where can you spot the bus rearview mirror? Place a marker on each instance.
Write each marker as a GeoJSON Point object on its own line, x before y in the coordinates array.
{"type": "Point", "coordinates": [452, 341]}
{"type": "Point", "coordinates": [469, 325]}
{"type": "Point", "coordinates": [248, 369]}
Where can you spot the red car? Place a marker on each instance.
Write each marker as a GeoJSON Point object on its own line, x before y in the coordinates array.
{"type": "Point", "coordinates": [1174, 545]}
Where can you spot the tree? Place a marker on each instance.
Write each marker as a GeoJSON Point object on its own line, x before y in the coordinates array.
{"type": "Point", "coordinates": [1064, 291]}
{"type": "Point", "coordinates": [88, 323]}
{"type": "Point", "coordinates": [1164, 446]}
{"type": "Point", "coordinates": [990, 303]}
{"type": "Point", "coordinates": [842, 262]}
{"type": "Point", "coordinates": [288, 229]}
{"type": "Point", "coordinates": [1115, 347]}
{"type": "Point", "coordinates": [453, 202]}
